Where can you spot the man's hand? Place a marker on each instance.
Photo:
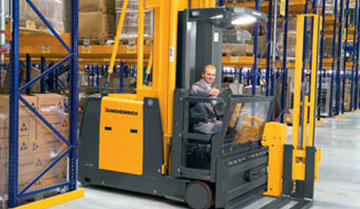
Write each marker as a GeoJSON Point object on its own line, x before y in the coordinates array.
{"type": "Point", "coordinates": [214, 91]}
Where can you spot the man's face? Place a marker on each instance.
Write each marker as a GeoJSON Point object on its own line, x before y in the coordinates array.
{"type": "Point", "coordinates": [209, 75]}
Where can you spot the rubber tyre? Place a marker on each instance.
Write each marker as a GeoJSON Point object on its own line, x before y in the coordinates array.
{"type": "Point", "coordinates": [198, 195]}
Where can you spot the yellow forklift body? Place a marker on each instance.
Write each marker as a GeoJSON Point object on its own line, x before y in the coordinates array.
{"type": "Point", "coordinates": [124, 96]}
{"type": "Point", "coordinates": [121, 135]}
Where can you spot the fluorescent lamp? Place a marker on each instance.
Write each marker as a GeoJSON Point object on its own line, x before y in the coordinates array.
{"type": "Point", "coordinates": [217, 17]}
{"type": "Point", "coordinates": [244, 20]}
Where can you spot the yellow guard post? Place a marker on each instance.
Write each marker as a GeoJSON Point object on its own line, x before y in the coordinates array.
{"type": "Point", "coordinates": [274, 137]}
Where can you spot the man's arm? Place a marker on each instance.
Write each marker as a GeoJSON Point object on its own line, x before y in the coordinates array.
{"type": "Point", "coordinates": [197, 90]}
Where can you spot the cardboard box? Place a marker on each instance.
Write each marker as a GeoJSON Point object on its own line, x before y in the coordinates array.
{"type": "Point", "coordinates": [4, 150]}
{"type": "Point", "coordinates": [4, 166]}
{"type": "Point", "coordinates": [104, 6]}
{"type": "Point", "coordinates": [57, 176]}
{"type": "Point", "coordinates": [24, 147]}
{"type": "Point", "coordinates": [28, 163]}
{"type": "Point", "coordinates": [27, 178]}
{"type": "Point", "coordinates": [27, 127]}
{"type": "Point", "coordinates": [27, 173]}
{"type": "Point", "coordinates": [96, 24]}
{"type": "Point", "coordinates": [49, 104]}
{"type": "Point", "coordinates": [60, 122]}
{"type": "Point", "coordinates": [29, 167]}
{"type": "Point", "coordinates": [23, 110]}
{"type": "Point", "coordinates": [51, 144]}
{"type": "Point", "coordinates": [4, 132]}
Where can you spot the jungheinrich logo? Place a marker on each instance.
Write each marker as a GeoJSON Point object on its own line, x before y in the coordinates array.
{"type": "Point", "coordinates": [125, 112]}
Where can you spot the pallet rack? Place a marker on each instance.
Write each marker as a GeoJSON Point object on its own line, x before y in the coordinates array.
{"type": "Point", "coordinates": [14, 194]}
{"type": "Point", "coordinates": [275, 70]}
{"type": "Point", "coordinates": [340, 67]}
{"type": "Point", "coordinates": [326, 65]}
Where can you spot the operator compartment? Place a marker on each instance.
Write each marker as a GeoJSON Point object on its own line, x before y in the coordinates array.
{"type": "Point", "coordinates": [121, 135]}
{"type": "Point", "coordinates": [233, 158]}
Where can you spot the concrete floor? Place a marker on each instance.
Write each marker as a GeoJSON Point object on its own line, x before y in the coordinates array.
{"type": "Point", "coordinates": [338, 186]}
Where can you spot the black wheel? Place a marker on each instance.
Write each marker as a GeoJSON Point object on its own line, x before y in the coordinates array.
{"type": "Point", "coordinates": [198, 195]}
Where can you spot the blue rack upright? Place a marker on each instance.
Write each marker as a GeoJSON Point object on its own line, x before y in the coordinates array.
{"type": "Point", "coordinates": [15, 96]}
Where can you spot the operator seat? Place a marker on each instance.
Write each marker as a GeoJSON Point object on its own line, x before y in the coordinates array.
{"type": "Point", "coordinates": [199, 151]}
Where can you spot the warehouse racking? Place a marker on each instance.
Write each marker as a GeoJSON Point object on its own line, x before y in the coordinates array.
{"type": "Point", "coordinates": [327, 65]}
{"type": "Point", "coordinates": [71, 57]}
{"type": "Point", "coordinates": [277, 72]}
{"type": "Point", "coordinates": [338, 74]}
{"type": "Point", "coordinates": [98, 55]}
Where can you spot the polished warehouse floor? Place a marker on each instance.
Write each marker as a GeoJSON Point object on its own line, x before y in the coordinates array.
{"type": "Point", "coordinates": [338, 186]}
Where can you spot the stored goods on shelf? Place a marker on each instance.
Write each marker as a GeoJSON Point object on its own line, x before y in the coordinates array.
{"type": "Point", "coordinates": [238, 49]}
{"type": "Point", "coordinates": [52, 10]}
{"type": "Point", "coordinates": [96, 25]}
{"type": "Point", "coordinates": [104, 6]}
{"type": "Point", "coordinates": [130, 27]}
{"type": "Point", "coordinates": [38, 146]}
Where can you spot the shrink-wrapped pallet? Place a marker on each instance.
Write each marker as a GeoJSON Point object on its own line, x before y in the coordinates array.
{"type": "Point", "coordinates": [52, 10]}
{"type": "Point", "coordinates": [38, 147]}
{"type": "Point", "coordinates": [130, 28]}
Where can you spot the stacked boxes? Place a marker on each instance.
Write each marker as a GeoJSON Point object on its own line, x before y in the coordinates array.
{"type": "Point", "coordinates": [236, 43]}
{"type": "Point", "coordinates": [96, 25]}
{"type": "Point", "coordinates": [38, 147]}
{"type": "Point", "coordinates": [53, 11]}
{"type": "Point", "coordinates": [47, 144]}
{"type": "Point", "coordinates": [96, 19]}
{"type": "Point", "coordinates": [130, 28]}
{"type": "Point", "coordinates": [238, 49]}
{"type": "Point", "coordinates": [239, 42]}
{"type": "Point", "coordinates": [291, 41]}
{"type": "Point", "coordinates": [291, 45]}
{"type": "Point", "coordinates": [104, 6]}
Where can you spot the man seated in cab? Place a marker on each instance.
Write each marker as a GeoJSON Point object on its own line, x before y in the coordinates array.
{"type": "Point", "coordinates": [204, 111]}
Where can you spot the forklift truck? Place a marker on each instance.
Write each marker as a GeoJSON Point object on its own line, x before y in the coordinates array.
{"type": "Point", "coordinates": [123, 143]}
